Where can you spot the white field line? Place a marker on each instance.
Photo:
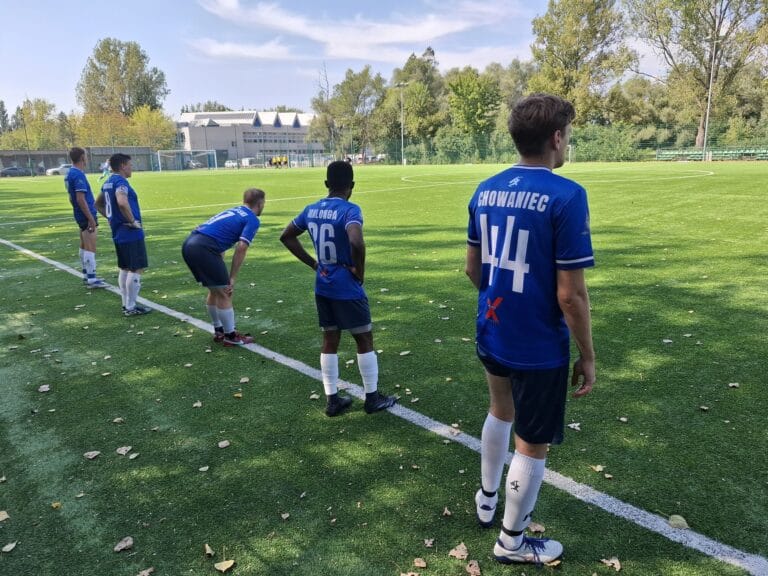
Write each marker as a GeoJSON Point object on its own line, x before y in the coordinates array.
{"type": "Point", "coordinates": [229, 204]}
{"type": "Point", "coordinates": [752, 563]}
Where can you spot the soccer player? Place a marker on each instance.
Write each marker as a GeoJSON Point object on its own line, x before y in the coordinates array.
{"type": "Point", "coordinates": [528, 244]}
{"type": "Point", "coordinates": [84, 210]}
{"type": "Point", "coordinates": [120, 205]}
{"type": "Point", "coordinates": [203, 251]}
{"type": "Point", "coordinates": [336, 228]}
{"type": "Point", "coordinates": [104, 170]}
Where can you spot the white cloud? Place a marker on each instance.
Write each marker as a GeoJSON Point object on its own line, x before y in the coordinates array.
{"type": "Point", "coordinates": [479, 58]}
{"type": "Point", "coordinates": [272, 50]}
{"type": "Point", "coordinates": [361, 38]}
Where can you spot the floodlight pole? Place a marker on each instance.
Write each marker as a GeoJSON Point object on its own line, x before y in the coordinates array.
{"type": "Point", "coordinates": [709, 101]}
{"type": "Point", "coordinates": [402, 85]}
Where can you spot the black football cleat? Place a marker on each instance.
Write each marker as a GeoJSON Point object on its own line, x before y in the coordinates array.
{"type": "Point", "coordinates": [377, 402]}
{"type": "Point", "coordinates": [337, 406]}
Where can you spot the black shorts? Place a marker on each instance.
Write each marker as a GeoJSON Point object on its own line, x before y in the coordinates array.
{"type": "Point", "coordinates": [539, 397]}
{"type": "Point", "coordinates": [131, 255]}
{"type": "Point", "coordinates": [352, 315]}
{"type": "Point", "coordinates": [203, 257]}
{"type": "Point", "coordinates": [84, 224]}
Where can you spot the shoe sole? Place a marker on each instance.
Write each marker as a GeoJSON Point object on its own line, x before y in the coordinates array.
{"type": "Point", "coordinates": [380, 408]}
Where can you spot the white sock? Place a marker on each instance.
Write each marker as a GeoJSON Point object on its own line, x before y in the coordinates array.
{"type": "Point", "coordinates": [80, 253]}
{"type": "Point", "coordinates": [368, 365]}
{"type": "Point", "coordinates": [227, 317]}
{"type": "Point", "coordinates": [329, 366]}
{"type": "Point", "coordinates": [132, 286]}
{"type": "Point", "coordinates": [494, 445]}
{"type": "Point", "coordinates": [122, 283]}
{"type": "Point", "coordinates": [89, 262]}
{"type": "Point", "coordinates": [523, 482]}
{"type": "Point", "coordinates": [213, 312]}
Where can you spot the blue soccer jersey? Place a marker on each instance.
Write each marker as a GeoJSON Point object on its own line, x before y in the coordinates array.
{"type": "Point", "coordinates": [75, 181]}
{"type": "Point", "coordinates": [528, 223]}
{"type": "Point", "coordinates": [327, 222]}
{"type": "Point", "coordinates": [121, 232]}
{"type": "Point", "coordinates": [230, 226]}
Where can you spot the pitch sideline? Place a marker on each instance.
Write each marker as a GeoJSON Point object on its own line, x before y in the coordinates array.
{"type": "Point", "coordinates": [752, 563]}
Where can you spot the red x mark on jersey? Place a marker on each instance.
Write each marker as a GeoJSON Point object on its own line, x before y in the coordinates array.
{"type": "Point", "coordinates": [491, 313]}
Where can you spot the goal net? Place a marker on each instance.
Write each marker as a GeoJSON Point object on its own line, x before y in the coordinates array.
{"type": "Point", "coordinates": [186, 159]}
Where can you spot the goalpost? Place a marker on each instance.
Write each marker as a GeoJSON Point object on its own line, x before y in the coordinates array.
{"type": "Point", "coordinates": [186, 159]}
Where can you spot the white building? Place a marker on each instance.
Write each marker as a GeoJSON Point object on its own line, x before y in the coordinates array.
{"type": "Point", "coordinates": [249, 134]}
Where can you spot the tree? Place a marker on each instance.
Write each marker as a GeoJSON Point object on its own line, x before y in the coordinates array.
{"type": "Point", "coordinates": [207, 106]}
{"type": "Point", "coordinates": [703, 43]}
{"type": "Point", "coordinates": [116, 78]}
{"type": "Point", "coordinates": [103, 129]}
{"type": "Point", "coordinates": [66, 130]}
{"type": "Point", "coordinates": [352, 106]}
{"type": "Point", "coordinates": [474, 101]}
{"type": "Point", "coordinates": [152, 128]}
{"type": "Point", "coordinates": [5, 124]}
{"type": "Point", "coordinates": [579, 49]}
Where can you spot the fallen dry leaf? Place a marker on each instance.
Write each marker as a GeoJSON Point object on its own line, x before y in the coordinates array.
{"type": "Point", "coordinates": [56, 505]}
{"type": "Point", "coordinates": [677, 521]}
{"type": "Point", "coordinates": [612, 562]}
{"type": "Point", "coordinates": [118, 420]}
{"type": "Point", "coordinates": [208, 551]}
{"type": "Point", "coordinates": [133, 455]}
{"type": "Point", "coordinates": [575, 426]}
{"type": "Point", "coordinates": [535, 528]}
{"type": "Point", "coordinates": [124, 544]}
{"type": "Point", "coordinates": [447, 512]}
{"type": "Point", "coordinates": [429, 542]}
{"type": "Point", "coordinates": [598, 468]}
{"type": "Point", "coordinates": [223, 444]}
{"type": "Point", "coordinates": [460, 552]}
{"type": "Point", "coordinates": [733, 385]}
{"type": "Point", "coordinates": [3, 515]}
{"type": "Point", "coordinates": [405, 353]}
{"type": "Point", "coordinates": [91, 455]}
{"type": "Point", "coordinates": [224, 566]}
{"type": "Point", "coordinates": [123, 450]}
{"type": "Point", "coordinates": [197, 404]}
{"type": "Point", "coordinates": [188, 365]}
{"type": "Point", "coordinates": [623, 419]}
{"type": "Point", "coordinates": [419, 563]}
{"type": "Point", "coordinates": [285, 515]}
{"type": "Point", "coordinates": [608, 476]}
{"type": "Point", "coordinates": [554, 563]}
{"type": "Point", "coordinates": [10, 546]}
{"type": "Point", "coordinates": [244, 380]}
{"type": "Point", "coordinates": [473, 568]}
{"type": "Point", "coordinates": [44, 388]}
{"type": "Point", "coordinates": [2, 479]}
{"type": "Point", "coordinates": [203, 468]}
{"type": "Point", "coordinates": [703, 408]}
{"type": "Point", "coordinates": [410, 574]}
{"type": "Point", "coordinates": [147, 572]}
{"type": "Point", "coordinates": [314, 396]}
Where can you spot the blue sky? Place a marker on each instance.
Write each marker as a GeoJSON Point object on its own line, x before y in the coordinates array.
{"type": "Point", "coordinates": [249, 53]}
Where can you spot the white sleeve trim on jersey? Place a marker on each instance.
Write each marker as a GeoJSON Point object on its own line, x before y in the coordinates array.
{"type": "Point", "coordinates": [473, 242]}
{"type": "Point", "coordinates": [575, 261]}
{"type": "Point", "coordinates": [83, 190]}
{"type": "Point", "coordinates": [242, 239]}
{"type": "Point", "coordinates": [297, 226]}
{"type": "Point", "coordinates": [121, 190]}
{"type": "Point", "coordinates": [348, 224]}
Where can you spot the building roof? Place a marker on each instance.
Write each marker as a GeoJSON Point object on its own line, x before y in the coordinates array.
{"type": "Point", "coordinates": [247, 118]}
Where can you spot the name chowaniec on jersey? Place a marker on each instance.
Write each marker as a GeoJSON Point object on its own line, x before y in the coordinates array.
{"type": "Point", "coordinates": [513, 199]}
{"type": "Point", "coordinates": [323, 214]}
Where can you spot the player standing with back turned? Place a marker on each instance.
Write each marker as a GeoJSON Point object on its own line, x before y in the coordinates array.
{"type": "Point", "coordinates": [336, 227]}
{"type": "Point", "coordinates": [528, 242]}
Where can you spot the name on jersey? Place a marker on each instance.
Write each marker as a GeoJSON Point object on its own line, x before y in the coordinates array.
{"type": "Point", "coordinates": [514, 199]}
{"type": "Point", "coordinates": [323, 214]}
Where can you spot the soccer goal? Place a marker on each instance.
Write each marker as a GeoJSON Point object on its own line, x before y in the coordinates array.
{"type": "Point", "coordinates": [186, 159]}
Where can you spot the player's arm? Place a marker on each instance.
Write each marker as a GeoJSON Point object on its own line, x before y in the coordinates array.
{"type": "Point", "coordinates": [121, 194]}
{"type": "Point", "coordinates": [100, 206]}
{"type": "Point", "coordinates": [80, 199]}
{"type": "Point", "coordinates": [357, 248]}
{"type": "Point", "coordinates": [290, 239]}
{"type": "Point", "coordinates": [241, 249]}
{"type": "Point", "coordinates": [573, 298]}
{"type": "Point", "coordinates": [474, 266]}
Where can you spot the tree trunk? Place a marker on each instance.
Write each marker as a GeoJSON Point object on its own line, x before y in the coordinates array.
{"type": "Point", "coordinates": [700, 132]}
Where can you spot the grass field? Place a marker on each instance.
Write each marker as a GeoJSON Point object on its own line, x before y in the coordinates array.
{"type": "Point", "coordinates": [680, 311]}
